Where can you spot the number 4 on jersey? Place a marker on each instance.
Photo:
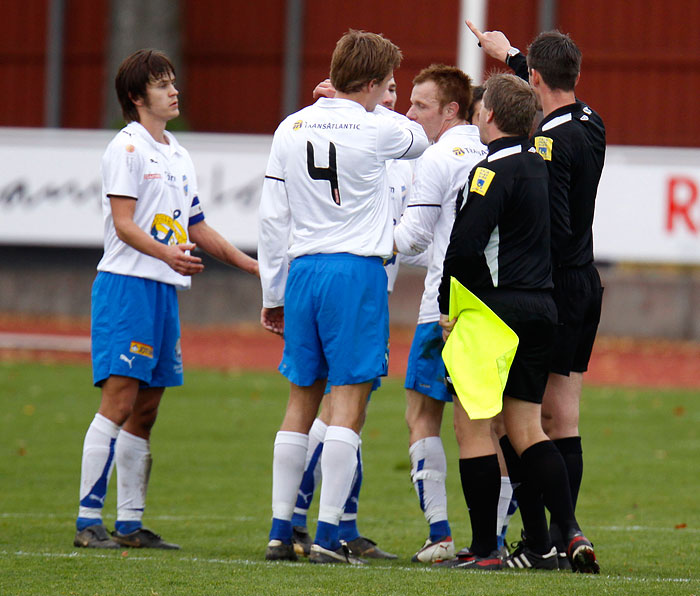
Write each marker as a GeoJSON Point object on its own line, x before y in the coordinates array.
{"type": "Point", "coordinates": [330, 173]}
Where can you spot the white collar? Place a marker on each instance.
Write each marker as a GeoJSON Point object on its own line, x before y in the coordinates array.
{"type": "Point", "coordinates": [505, 152]}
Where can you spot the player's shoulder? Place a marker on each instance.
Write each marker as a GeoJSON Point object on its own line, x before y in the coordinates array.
{"type": "Point", "coordinates": [126, 136]}
{"type": "Point", "coordinates": [510, 160]}
{"type": "Point", "coordinates": [585, 114]}
{"type": "Point", "coordinates": [125, 144]}
{"type": "Point", "coordinates": [459, 144]}
{"type": "Point", "coordinates": [569, 121]}
{"type": "Point", "coordinates": [290, 123]}
{"type": "Point", "coordinates": [569, 130]}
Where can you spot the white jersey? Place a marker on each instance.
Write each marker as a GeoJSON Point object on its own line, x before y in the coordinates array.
{"type": "Point", "coordinates": [400, 176]}
{"type": "Point", "coordinates": [162, 180]}
{"type": "Point", "coordinates": [326, 189]}
{"type": "Point", "coordinates": [430, 213]}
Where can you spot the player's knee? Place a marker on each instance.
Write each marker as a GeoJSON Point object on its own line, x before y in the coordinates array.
{"type": "Point", "coordinates": [548, 423]}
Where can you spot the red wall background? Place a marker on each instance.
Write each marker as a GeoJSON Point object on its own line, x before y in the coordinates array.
{"type": "Point", "coordinates": [641, 69]}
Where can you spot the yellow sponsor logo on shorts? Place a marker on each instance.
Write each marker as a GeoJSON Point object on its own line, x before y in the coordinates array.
{"type": "Point", "coordinates": [544, 147]}
{"type": "Point", "coordinates": [141, 349]}
{"type": "Point", "coordinates": [482, 180]}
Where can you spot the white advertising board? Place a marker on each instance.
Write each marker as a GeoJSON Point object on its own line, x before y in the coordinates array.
{"type": "Point", "coordinates": [50, 184]}
{"type": "Point", "coordinates": [648, 207]}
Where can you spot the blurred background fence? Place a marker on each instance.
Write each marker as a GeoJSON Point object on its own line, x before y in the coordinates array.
{"type": "Point", "coordinates": [242, 66]}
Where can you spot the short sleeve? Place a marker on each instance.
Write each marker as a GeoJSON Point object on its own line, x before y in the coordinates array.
{"type": "Point", "coordinates": [121, 169]}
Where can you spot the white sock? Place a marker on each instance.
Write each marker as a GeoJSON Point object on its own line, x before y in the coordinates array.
{"type": "Point", "coordinates": [429, 477]}
{"type": "Point", "coordinates": [97, 466]}
{"type": "Point", "coordinates": [503, 503]}
{"type": "Point", "coordinates": [133, 455]}
{"type": "Point", "coordinates": [289, 457]}
{"type": "Point", "coordinates": [338, 466]}
{"type": "Point", "coordinates": [352, 515]}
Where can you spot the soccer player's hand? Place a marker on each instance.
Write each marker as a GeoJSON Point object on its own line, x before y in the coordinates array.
{"type": "Point", "coordinates": [324, 89]}
{"type": "Point", "coordinates": [447, 326]}
{"type": "Point", "coordinates": [494, 43]}
{"type": "Point", "coordinates": [272, 319]}
{"type": "Point", "coordinates": [178, 259]}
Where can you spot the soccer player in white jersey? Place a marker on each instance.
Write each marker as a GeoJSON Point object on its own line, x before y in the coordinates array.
{"type": "Point", "coordinates": [325, 209]}
{"type": "Point", "coordinates": [399, 176]}
{"type": "Point", "coordinates": [152, 221]}
{"type": "Point", "coordinates": [440, 101]}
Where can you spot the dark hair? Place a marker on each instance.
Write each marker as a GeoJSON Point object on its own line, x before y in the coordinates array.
{"type": "Point", "coordinates": [513, 103]}
{"type": "Point", "coordinates": [477, 96]}
{"type": "Point", "coordinates": [361, 57]}
{"type": "Point", "coordinates": [133, 76]}
{"type": "Point", "coordinates": [452, 83]}
{"type": "Point", "coordinates": [557, 58]}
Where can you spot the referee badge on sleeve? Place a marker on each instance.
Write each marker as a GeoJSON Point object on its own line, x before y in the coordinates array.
{"type": "Point", "coordinates": [544, 147]}
{"type": "Point", "coordinates": [481, 181]}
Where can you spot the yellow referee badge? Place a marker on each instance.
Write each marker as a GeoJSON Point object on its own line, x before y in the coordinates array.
{"type": "Point", "coordinates": [482, 180]}
{"type": "Point", "coordinates": [544, 147]}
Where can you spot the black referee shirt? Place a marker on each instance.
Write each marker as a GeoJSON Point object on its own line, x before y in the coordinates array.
{"type": "Point", "coordinates": [501, 235]}
{"type": "Point", "coordinates": [572, 142]}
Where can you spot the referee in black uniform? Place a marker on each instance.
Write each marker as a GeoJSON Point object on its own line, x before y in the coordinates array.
{"type": "Point", "coordinates": [500, 250]}
{"type": "Point", "coordinates": [571, 139]}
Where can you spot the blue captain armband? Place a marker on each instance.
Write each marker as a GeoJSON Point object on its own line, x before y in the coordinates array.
{"type": "Point", "coordinates": [196, 212]}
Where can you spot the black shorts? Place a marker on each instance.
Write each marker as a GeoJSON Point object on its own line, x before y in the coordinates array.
{"type": "Point", "coordinates": [578, 295]}
{"type": "Point", "coordinates": [532, 315]}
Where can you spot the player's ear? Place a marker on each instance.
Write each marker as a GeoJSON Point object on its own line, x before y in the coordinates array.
{"type": "Point", "coordinates": [137, 101]}
{"type": "Point", "coordinates": [534, 77]}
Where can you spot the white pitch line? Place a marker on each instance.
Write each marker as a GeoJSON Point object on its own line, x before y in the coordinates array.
{"type": "Point", "coordinates": [643, 529]}
{"type": "Point", "coordinates": [244, 518]}
{"type": "Point", "coordinates": [175, 518]}
{"type": "Point", "coordinates": [38, 341]}
{"type": "Point", "coordinates": [248, 562]}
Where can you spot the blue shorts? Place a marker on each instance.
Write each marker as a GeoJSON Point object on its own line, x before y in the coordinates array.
{"type": "Point", "coordinates": [135, 330]}
{"type": "Point", "coordinates": [376, 384]}
{"type": "Point", "coordinates": [425, 372]}
{"type": "Point", "coordinates": [336, 320]}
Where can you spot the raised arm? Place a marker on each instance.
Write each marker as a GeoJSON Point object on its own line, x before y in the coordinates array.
{"type": "Point", "coordinates": [497, 45]}
{"type": "Point", "coordinates": [494, 43]}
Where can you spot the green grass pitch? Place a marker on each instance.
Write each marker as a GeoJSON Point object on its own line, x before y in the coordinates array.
{"type": "Point", "coordinates": [211, 482]}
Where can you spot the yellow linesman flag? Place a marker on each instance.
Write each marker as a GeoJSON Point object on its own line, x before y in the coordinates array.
{"type": "Point", "coordinates": [478, 353]}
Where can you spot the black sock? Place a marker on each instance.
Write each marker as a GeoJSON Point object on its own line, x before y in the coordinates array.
{"type": "Point", "coordinates": [544, 465]}
{"type": "Point", "coordinates": [529, 499]}
{"type": "Point", "coordinates": [570, 449]}
{"type": "Point", "coordinates": [481, 484]}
